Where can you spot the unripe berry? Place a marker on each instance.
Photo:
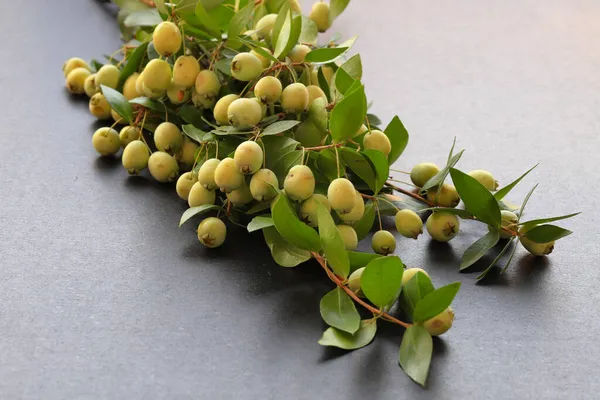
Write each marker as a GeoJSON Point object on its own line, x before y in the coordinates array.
{"type": "Point", "coordinates": [298, 53]}
{"type": "Point", "coordinates": [246, 67]}
{"type": "Point", "coordinates": [168, 138]}
{"type": "Point", "coordinates": [408, 223]}
{"type": "Point", "coordinates": [441, 323]}
{"type": "Point", "coordinates": [263, 107]}
{"type": "Point", "coordinates": [241, 196]}
{"type": "Point", "coordinates": [139, 84]}
{"type": "Point", "coordinates": [349, 237]}
{"type": "Point", "coordinates": [163, 167]}
{"type": "Point", "coordinates": [244, 113]}
{"type": "Point", "coordinates": [537, 249]}
{"type": "Point", "coordinates": [264, 26]}
{"type": "Point", "coordinates": [177, 94]}
{"type": "Point", "coordinates": [99, 106]}
{"type": "Point", "coordinates": [363, 129]}
{"type": "Point", "coordinates": [73, 63]}
{"type": "Point", "coordinates": [199, 196]}
{"type": "Point", "coordinates": [187, 155]}
{"type": "Point", "coordinates": [341, 195]}
{"type": "Point", "coordinates": [383, 242]}
{"type": "Point", "coordinates": [75, 81]}
{"type": "Point", "coordinates": [135, 157]}
{"type": "Point", "coordinates": [377, 140]}
{"type": "Point", "coordinates": [294, 98]}
{"type": "Point", "coordinates": [157, 77]}
{"type": "Point", "coordinates": [166, 38]}
{"type": "Point", "coordinates": [328, 73]}
{"type": "Point", "coordinates": [320, 15]}
{"type": "Point", "coordinates": [410, 272]}
{"type": "Point", "coordinates": [130, 87]}
{"type": "Point", "coordinates": [220, 111]}
{"type": "Point", "coordinates": [485, 178]}
{"type": "Point", "coordinates": [268, 89]}
{"type": "Point", "coordinates": [266, 62]}
{"type": "Point", "coordinates": [354, 281]}
{"type": "Point", "coordinates": [203, 101]}
{"type": "Point", "coordinates": [107, 75]}
{"type": "Point", "coordinates": [128, 134]}
{"type": "Point", "coordinates": [249, 157]}
{"type": "Point", "coordinates": [117, 118]}
{"type": "Point", "coordinates": [309, 209]}
{"type": "Point", "coordinates": [299, 184]}
{"type": "Point", "coordinates": [295, 6]}
{"type": "Point", "coordinates": [184, 185]}
{"type": "Point", "coordinates": [185, 71]}
{"type": "Point", "coordinates": [315, 92]}
{"type": "Point", "coordinates": [106, 141]}
{"type": "Point", "coordinates": [228, 176]}
{"type": "Point", "coordinates": [263, 185]}
{"type": "Point", "coordinates": [423, 172]}
{"type": "Point", "coordinates": [89, 87]}
{"type": "Point", "coordinates": [509, 221]}
{"type": "Point", "coordinates": [447, 197]}
{"type": "Point", "coordinates": [356, 213]}
{"type": "Point", "coordinates": [442, 226]}
{"type": "Point", "coordinates": [206, 173]}
{"type": "Point", "coordinates": [212, 232]}
{"type": "Point", "coordinates": [207, 83]}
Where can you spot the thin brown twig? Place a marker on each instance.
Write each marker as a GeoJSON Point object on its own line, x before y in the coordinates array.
{"type": "Point", "coordinates": [410, 194]}
{"type": "Point", "coordinates": [353, 295]}
{"type": "Point", "coordinates": [328, 146]}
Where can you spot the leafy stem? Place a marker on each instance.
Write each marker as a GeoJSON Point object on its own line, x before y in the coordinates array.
{"type": "Point", "coordinates": [335, 279]}
{"type": "Point", "coordinates": [410, 194]}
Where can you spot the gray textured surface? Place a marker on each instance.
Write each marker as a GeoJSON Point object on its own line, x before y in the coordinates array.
{"type": "Point", "coordinates": [102, 296]}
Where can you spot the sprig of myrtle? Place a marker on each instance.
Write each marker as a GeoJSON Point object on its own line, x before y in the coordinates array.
{"type": "Point", "coordinates": [264, 127]}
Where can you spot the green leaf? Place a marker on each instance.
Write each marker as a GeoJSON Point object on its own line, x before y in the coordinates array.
{"type": "Point", "coordinates": [224, 65]}
{"type": "Point", "coordinates": [288, 37]}
{"type": "Point", "coordinates": [526, 200]}
{"type": "Point", "coordinates": [325, 54]}
{"type": "Point", "coordinates": [284, 253]}
{"type": "Point", "coordinates": [239, 20]}
{"type": "Point", "coordinates": [380, 164]}
{"type": "Point", "coordinates": [534, 222]}
{"type": "Point", "coordinates": [197, 134]}
{"type": "Point", "coordinates": [347, 341]}
{"type": "Point", "coordinates": [499, 195]}
{"type": "Point", "coordinates": [208, 21]}
{"type": "Point", "coordinates": [260, 222]}
{"type": "Point", "coordinates": [332, 243]}
{"type": "Point", "coordinates": [285, 162]}
{"type": "Point", "coordinates": [381, 280]}
{"type": "Point", "coordinates": [479, 248]}
{"type": "Point", "coordinates": [489, 268]}
{"type": "Point", "coordinates": [359, 259]}
{"type": "Point", "coordinates": [282, 17]}
{"type": "Point", "coordinates": [364, 225]}
{"type": "Point", "coordinates": [133, 63]}
{"type": "Point", "coordinates": [118, 102]}
{"type": "Point", "coordinates": [149, 17]}
{"type": "Point", "coordinates": [259, 49]}
{"type": "Point", "coordinates": [348, 115]}
{"type": "Point", "coordinates": [435, 302]}
{"type": "Point", "coordinates": [323, 84]}
{"type": "Point", "coordinates": [336, 7]}
{"type": "Point", "coordinates": [278, 127]}
{"type": "Point", "coordinates": [149, 103]}
{"type": "Point", "coordinates": [309, 32]}
{"type": "Point", "coordinates": [512, 253]}
{"type": "Point", "coordinates": [338, 310]}
{"type": "Point", "coordinates": [477, 198]}
{"type": "Point", "coordinates": [415, 353]}
{"type": "Point", "coordinates": [353, 66]}
{"type": "Point", "coordinates": [259, 207]}
{"type": "Point", "coordinates": [340, 83]}
{"type": "Point", "coordinates": [440, 177]}
{"type": "Point", "coordinates": [546, 233]}
{"type": "Point", "coordinates": [359, 165]}
{"type": "Point", "coordinates": [193, 211]}
{"type": "Point", "coordinates": [414, 290]}
{"type": "Point", "coordinates": [291, 228]}
{"type": "Point", "coordinates": [398, 136]}
{"type": "Point", "coordinates": [191, 115]}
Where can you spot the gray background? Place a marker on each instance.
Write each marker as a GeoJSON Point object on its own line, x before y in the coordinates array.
{"type": "Point", "coordinates": [102, 296]}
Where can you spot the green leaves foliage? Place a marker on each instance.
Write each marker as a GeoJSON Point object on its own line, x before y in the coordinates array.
{"type": "Point", "coordinates": [279, 127]}
{"type": "Point", "coordinates": [358, 259]}
{"type": "Point", "coordinates": [291, 228]}
{"type": "Point", "coordinates": [239, 20]}
{"type": "Point", "coordinates": [380, 165]}
{"type": "Point", "coordinates": [338, 311]}
{"type": "Point", "coordinates": [288, 36]}
{"type": "Point", "coordinates": [499, 195]}
{"type": "Point", "coordinates": [504, 249]}
{"type": "Point", "coordinates": [414, 290]}
{"type": "Point", "coordinates": [440, 177]}
{"type": "Point", "coordinates": [336, 7]}
{"type": "Point", "coordinates": [309, 32]}
{"type": "Point", "coordinates": [527, 224]}
{"type": "Point", "coordinates": [148, 17]}
{"type": "Point", "coordinates": [193, 211]}
{"type": "Point", "coordinates": [415, 353]}
{"type": "Point", "coordinates": [118, 102]}
{"type": "Point", "coordinates": [364, 225]}
{"type": "Point", "coordinates": [477, 198]}
{"type": "Point", "coordinates": [479, 248]}
{"type": "Point", "coordinates": [435, 302]}
{"type": "Point", "coordinates": [347, 341]}
{"type": "Point", "coordinates": [546, 233]}
{"type": "Point", "coordinates": [347, 116]}
{"type": "Point", "coordinates": [332, 243]}
{"type": "Point", "coordinates": [284, 253]}
{"type": "Point", "coordinates": [210, 24]}
{"type": "Point", "coordinates": [260, 222]}
{"type": "Point", "coordinates": [133, 63]}
{"type": "Point", "coordinates": [381, 280]}
{"type": "Point", "coordinates": [398, 136]}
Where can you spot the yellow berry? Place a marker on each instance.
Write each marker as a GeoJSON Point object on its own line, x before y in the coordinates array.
{"type": "Point", "coordinates": [128, 134]}
{"type": "Point", "coordinates": [377, 140]}
{"type": "Point", "coordinates": [268, 89]}
{"type": "Point", "coordinates": [212, 232]}
{"type": "Point", "coordinates": [177, 94]}
{"type": "Point", "coordinates": [89, 86]}
{"type": "Point", "coordinates": [168, 138]}
{"type": "Point", "coordinates": [266, 62]}
{"type": "Point", "coordinates": [264, 26]}
{"type": "Point", "coordinates": [99, 106]}
{"type": "Point", "coordinates": [244, 113]}
{"type": "Point", "coordinates": [447, 197]}
{"type": "Point", "coordinates": [75, 81]}
{"type": "Point", "coordinates": [135, 157]}
{"type": "Point", "coordinates": [299, 184]}
{"type": "Point", "coordinates": [442, 226]}
{"type": "Point", "coordinates": [185, 71]}
{"type": "Point", "coordinates": [410, 272]}
{"type": "Point", "coordinates": [206, 173]}
{"type": "Point", "coordinates": [166, 38]}
{"type": "Point", "coordinates": [73, 63]}
{"type": "Point", "coordinates": [315, 92]}
{"type": "Point", "coordinates": [240, 196]}
{"type": "Point", "coordinates": [184, 185]}
{"type": "Point", "coordinates": [320, 15]}
{"type": "Point", "coordinates": [107, 75]}
{"type": "Point", "coordinates": [227, 175]}
{"type": "Point", "coordinates": [441, 323]}
{"type": "Point", "coordinates": [309, 209]}
{"type": "Point", "coordinates": [106, 141]}
{"type": "Point", "coordinates": [264, 185]}
{"type": "Point", "coordinates": [485, 178]}
{"type": "Point", "coordinates": [383, 242]}
{"type": "Point", "coordinates": [130, 87]}
{"type": "Point", "coordinates": [341, 195]}
{"type": "Point", "coordinates": [422, 172]}
{"type": "Point", "coordinates": [249, 157]}
{"type": "Point", "coordinates": [294, 98]}
{"type": "Point", "coordinates": [163, 167]}
{"type": "Point", "coordinates": [356, 213]}
{"type": "Point", "coordinates": [408, 223]}
{"type": "Point", "coordinates": [349, 237]}
{"type": "Point", "coordinates": [246, 67]}
{"type": "Point", "coordinates": [199, 195]}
